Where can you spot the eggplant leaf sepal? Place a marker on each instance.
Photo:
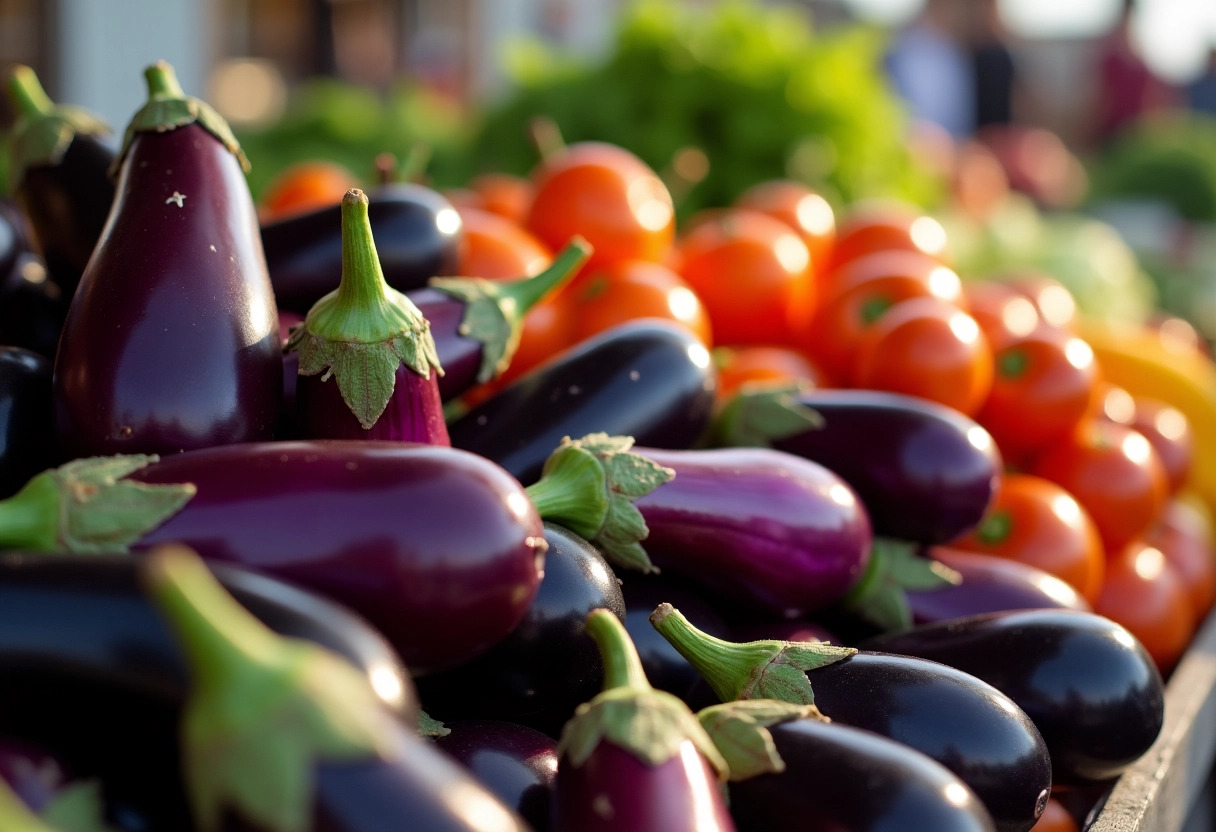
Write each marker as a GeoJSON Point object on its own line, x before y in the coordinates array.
{"type": "Point", "coordinates": [44, 130]}
{"type": "Point", "coordinates": [77, 808]}
{"type": "Point", "coordinates": [761, 414]}
{"type": "Point", "coordinates": [740, 733]}
{"type": "Point", "coordinates": [895, 566]}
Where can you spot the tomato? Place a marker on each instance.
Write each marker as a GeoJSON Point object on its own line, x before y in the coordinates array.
{"type": "Point", "coordinates": [872, 226]}
{"type": "Point", "coordinates": [751, 272]}
{"type": "Point", "coordinates": [1144, 594]}
{"type": "Point", "coordinates": [1113, 472]}
{"type": "Point", "coordinates": [305, 186]}
{"type": "Point", "coordinates": [548, 329]}
{"type": "Point", "coordinates": [1000, 310]}
{"type": "Point", "coordinates": [1042, 387]}
{"type": "Point", "coordinates": [929, 348]}
{"type": "Point", "coordinates": [628, 289]}
{"type": "Point", "coordinates": [1169, 432]}
{"type": "Point", "coordinates": [606, 194]}
{"type": "Point", "coordinates": [1052, 299]}
{"type": "Point", "coordinates": [763, 365]}
{"type": "Point", "coordinates": [1055, 818]}
{"type": "Point", "coordinates": [495, 248]}
{"type": "Point", "coordinates": [503, 194]}
{"type": "Point", "coordinates": [1036, 522]}
{"type": "Point", "coordinates": [862, 291]}
{"type": "Point", "coordinates": [1184, 536]}
{"type": "Point", "coordinates": [802, 209]}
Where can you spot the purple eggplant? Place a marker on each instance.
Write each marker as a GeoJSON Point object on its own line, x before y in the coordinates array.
{"type": "Point", "coordinates": [634, 757]}
{"type": "Point", "coordinates": [32, 308]}
{"type": "Point", "coordinates": [646, 379]}
{"type": "Point", "coordinates": [417, 232]}
{"type": "Point", "coordinates": [171, 342]}
{"type": "Point", "coordinates": [28, 444]}
{"type": "Point", "coordinates": [518, 764]}
{"type": "Point", "coordinates": [925, 472]}
{"type": "Point", "coordinates": [547, 666]}
{"type": "Point", "coordinates": [374, 344]}
{"type": "Point", "coordinates": [35, 786]}
{"type": "Point", "coordinates": [1089, 686]}
{"type": "Point", "coordinates": [960, 721]}
{"type": "Point", "coordinates": [438, 548]}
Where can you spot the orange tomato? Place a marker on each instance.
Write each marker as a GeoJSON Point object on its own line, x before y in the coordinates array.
{"type": "Point", "coordinates": [503, 194]}
{"type": "Point", "coordinates": [1000, 310]}
{"type": "Point", "coordinates": [872, 226]}
{"type": "Point", "coordinates": [1051, 298]}
{"type": "Point", "coordinates": [1144, 594]}
{"type": "Point", "coordinates": [627, 289]}
{"type": "Point", "coordinates": [799, 207]}
{"type": "Point", "coordinates": [495, 248]}
{"type": "Point", "coordinates": [548, 329]}
{"type": "Point", "coordinates": [1184, 536]}
{"type": "Point", "coordinates": [305, 186]}
{"type": "Point", "coordinates": [763, 365]}
{"type": "Point", "coordinates": [1168, 431]}
{"type": "Point", "coordinates": [1055, 818]}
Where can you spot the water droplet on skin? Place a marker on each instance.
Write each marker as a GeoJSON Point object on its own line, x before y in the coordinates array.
{"type": "Point", "coordinates": [634, 375]}
{"type": "Point", "coordinates": [574, 390]}
{"type": "Point", "coordinates": [125, 432]}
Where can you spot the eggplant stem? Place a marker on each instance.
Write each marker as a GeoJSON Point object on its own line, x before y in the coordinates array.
{"type": "Point", "coordinates": [29, 518]}
{"type": "Point", "coordinates": [162, 81]}
{"type": "Point", "coordinates": [527, 292]}
{"type": "Point", "coordinates": [572, 492]}
{"type": "Point", "coordinates": [622, 665]}
{"type": "Point", "coordinates": [362, 284]}
{"type": "Point", "coordinates": [29, 98]}
{"type": "Point", "coordinates": [15, 816]}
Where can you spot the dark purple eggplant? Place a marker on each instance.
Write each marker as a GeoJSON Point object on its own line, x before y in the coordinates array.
{"type": "Point", "coordinates": [417, 233]}
{"type": "Point", "coordinates": [439, 549]}
{"type": "Point", "coordinates": [634, 757]}
{"type": "Point", "coordinates": [1089, 686]}
{"type": "Point", "coordinates": [925, 472]}
{"type": "Point", "coordinates": [374, 344]}
{"type": "Point", "coordinates": [32, 308]}
{"type": "Point", "coordinates": [37, 793]}
{"type": "Point", "coordinates": [171, 342]}
{"type": "Point", "coordinates": [646, 379]}
{"type": "Point", "coordinates": [960, 721]}
{"type": "Point", "coordinates": [28, 444]}
{"type": "Point", "coordinates": [547, 666]}
{"type": "Point", "coordinates": [518, 764]}
{"type": "Point", "coordinates": [59, 166]}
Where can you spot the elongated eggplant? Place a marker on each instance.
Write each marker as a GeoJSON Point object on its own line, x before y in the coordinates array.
{"type": "Point", "coordinates": [547, 666]}
{"type": "Point", "coordinates": [1090, 687]}
{"type": "Point", "coordinates": [171, 342]}
{"type": "Point", "coordinates": [28, 443]}
{"type": "Point", "coordinates": [646, 379]}
{"type": "Point", "coordinates": [960, 721]}
{"type": "Point", "coordinates": [59, 165]}
{"type": "Point", "coordinates": [925, 472]}
{"type": "Point", "coordinates": [439, 549]}
{"type": "Point", "coordinates": [417, 232]}
{"type": "Point", "coordinates": [518, 764]}
{"type": "Point", "coordinates": [633, 757]}
{"type": "Point", "coordinates": [32, 308]}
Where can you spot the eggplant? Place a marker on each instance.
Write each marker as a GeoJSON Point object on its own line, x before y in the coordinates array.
{"type": "Point", "coordinates": [925, 472]}
{"type": "Point", "coordinates": [547, 666]}
{"type": "Point", "coordinates": [32, 308]}
{"type": "Point", "coordinates": [35, 785]}
{"type": "Point", "coordinates": [647, 379]}
{"type": "Point", "coordinates": [28, 443]}
{"type": "Point", "coordinates": [375, 345]}
{"type": "Point", "coordinates": [1089, 686]}
{"type": "Point", "coordinates": [417, 231]}
{"type": "Point", "coordinates": [59, 165]}
{"type": "Point", "coordinates": [960, 721]}
{"type": "Point", "coordinates": [438, 548]}
{"type": "Point", "coordinates": [171, 341]}
{"type": "Point", "coordinates": [518, 764]}
{"type": "Point", "coordinates": [633, 757]}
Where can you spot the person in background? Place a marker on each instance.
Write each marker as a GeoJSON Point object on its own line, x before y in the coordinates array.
{"type": "Point", "coordinates": [994, 65]}
{"type": "Point", "coordinates": [1127, 87]}
{"type": "Point", "coordinates": [931, 69]}
{"type": "Point", "coordinates": [1201, 93]}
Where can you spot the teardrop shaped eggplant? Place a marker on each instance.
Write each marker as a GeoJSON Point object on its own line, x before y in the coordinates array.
{"type": "Point", "coordinates": [171, 342]}
{"type": "Point", "coordinates": [28, 443]}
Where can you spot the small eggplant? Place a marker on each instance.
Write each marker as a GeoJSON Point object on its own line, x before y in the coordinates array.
{"type": "Point", "coordinates": [547, 666]}
{"type": "Point", "coordinates": [647, 379]}
{"type": "Point", "coordinates": [960, 721]}
{"type": "Point", "coordinates": [518, 764]}
{"type": "Point", "coordinates": [171, 342]}
{"type": "Point", "coordinates": [59, 166]}
{"type": "Point", "coordinates": [32, 308]}
{"type": "Point", "coordinates": [35, 786]}
{"type": "Point", "coordinates": [375, 345]}
{"type": "Point", "coordinates": [28, 444]}
{"type": "Point", "coordinates": [925, 472]}
{"type": "Point", "coordinates": [634, 757]}
{"type": "Point", "coordinates": [439, 549]}
{"type": "Point", "coordinates": [1089, 685]}
{"type": "Point", "coordinates": [417, 232]}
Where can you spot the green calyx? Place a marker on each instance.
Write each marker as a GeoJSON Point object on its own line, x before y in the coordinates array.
{"type": "Point", "coordinates": [1012, 363]}
{"type": "Point", "coordinates": [361, 332]}
{"type": "Point", "coordinates": [740, 732]}
{"type": "Point", "coordinates": [880, 595]}
{"type": "Point", "coordinates": [761, 414]}
{"type": "Point", "coordinates": [15, 816]}
{"type": "Point", "coordinates": [86, 507]}
{"type": "Point", "coordinates": [428, 726]}
{"type": "Point", "coordinates": [588, 485]}
{"type": "Point", "coordinates": [263, 709]}
{"type": "Point", "coordinates": [494, 309]}
{"type": "Point", "coordinates": [76, 807]}
{"type": "Point", "coordinates": [769, 669]}
{"type": "Point", "coordinates": [168, 108]}
{"type": "Point", "coordinates": [995, 528]}
{"type": "Point", "coordinates": [650, 724]}
{"type": "Point", "coordinates": [44, 129]}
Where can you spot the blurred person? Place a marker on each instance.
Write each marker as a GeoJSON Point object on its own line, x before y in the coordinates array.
{"type": "Point", "coordinates": [1127, 87]}
{"type": "Point", "coordinates": [931, 69]}
{"type": "Point", "coordinates": [994, 65]}
{"type": "Point", "coordinates": [1201, 93]}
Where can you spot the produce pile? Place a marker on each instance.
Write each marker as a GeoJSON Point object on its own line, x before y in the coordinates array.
{"type": "Point", "coordinates": [762, 519]}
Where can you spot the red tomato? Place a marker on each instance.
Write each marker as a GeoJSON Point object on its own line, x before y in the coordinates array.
{"type": "Point", "coordinates": [1144, 594]}
{"type": "Point", "coordinates": [1000, 310]}
{"type": "Point", "coordinates": [629, 289]}
{"type": "Point", "coordinates": [305, 186]}
{"type": "Point", "coordinates": [1055, 818]}
{"type": "Point", "coordinates": [1113, 472]}
{"type": "Point", "coordinates": [1184, 536]}
{"type": "Point", "coordinates": [497, 249]}
{"type": "Point", "coordinates": [929, 348]}
{"type": "Point", "coordinates": [751, 272]}
{"type": "Point", "coordinates": [1168, 431]}
{"type": "Point", "coordinates": [547, 331]}
{"type": "Point", "coordinates": [1051, 298]}
{"type": "Point", "coordinates": [763, 365]}
{"type": "Point", "coordinates": [802, 209]}
{"type": "Point", "coordinates": [503, 194]}
{"type": "Point", "coordinates": [1036, 522]}
{"type": "Point", "coordinates": [880, 226]}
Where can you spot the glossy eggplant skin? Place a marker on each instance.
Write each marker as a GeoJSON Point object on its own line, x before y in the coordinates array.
{"type": "Point", "coordinates": [861, 783]}
{"type": "Point", "coordinates": [1090, 688]}
{"type": "Point", "coordinates": [171, 342]}
{"type": "Point", "coordinates": [439, 549]}
{"type": "Point", "coordinates": [459, 355]}
{"type": "Point", "coordinates": [414, 412]}
{"type": "Point", "coordinates": [646, 379]}
{"type": "Point", "coordinates": [762, 527]}
{"type": "Point", "coordinates": [925, 472]}
{"type": "Point", "coordinates": [547, 666]}
{"type": "Point", "coordinates": [958, 720]}
{"type": "Point", "coordinates": [417, 235]}
{"type": "Point", "coordinates": [518, 764]}
{"type": "Point", "coordinates": [32, 307]}
{"type": "Point", "coordinates": [28, 444]}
